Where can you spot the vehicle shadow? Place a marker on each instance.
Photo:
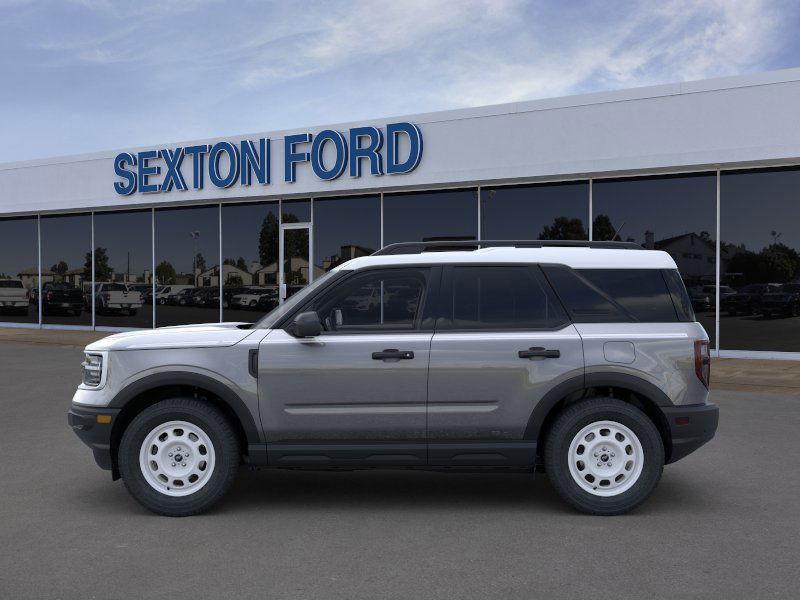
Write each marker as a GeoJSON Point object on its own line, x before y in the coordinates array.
{"type": "Point", "coordinates": [393, 490]}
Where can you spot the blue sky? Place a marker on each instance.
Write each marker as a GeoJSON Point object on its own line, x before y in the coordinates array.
{"type": "Point", "coordinates": [85, 75]}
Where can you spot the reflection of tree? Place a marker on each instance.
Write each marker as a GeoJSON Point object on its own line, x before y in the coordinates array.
{"type": "Point", "coordinates": [102, 270]}
{"type": "Point", "coordinates": [564, 228]}
{"type": "Point", "coordinates": [776, 263]}
{"type": "Point", "coordinates": [268, 240]}
{"type": "Point", "coordinates": [239, 263]}
{"type": "Point", "coordinates": [200, 262]}
{"type": "Point", "coordinates": [603, 230]}
{"type": "Point", "coordinates": [60, 268]}
{"type": "Point", "coordinates": [165, 273]}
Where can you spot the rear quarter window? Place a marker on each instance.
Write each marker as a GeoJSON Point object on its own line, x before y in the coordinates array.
{"type": "Point", "coordinates": [615, 295]}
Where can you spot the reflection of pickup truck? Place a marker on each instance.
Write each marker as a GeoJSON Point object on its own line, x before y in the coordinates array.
{"type": "Point", "coordinates": [785, 301]}
{"type": "Point", "coordinates": [116, 297]}
{"type": "Point", "coordinates": [747, 301]}
{"type": "Point", "coordinates": [61, 297]}
{"type": "Point", "coordinates": [13, 296]}
{"type": "Point", "coordinates": [163, 294]}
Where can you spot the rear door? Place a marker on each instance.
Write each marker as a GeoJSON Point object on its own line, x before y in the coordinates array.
{"type": "Point", "coordinates": [502, 341]}
{"type": "Point", "coordinates": [356, 392]}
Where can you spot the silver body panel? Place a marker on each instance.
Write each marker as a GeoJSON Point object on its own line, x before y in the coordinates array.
{"type": "Point", "coordinates": [663, 355]}
{"type": "Point", "coordinates": [330, 388]}
{"type": "Point", "coordinates": [479, 388]}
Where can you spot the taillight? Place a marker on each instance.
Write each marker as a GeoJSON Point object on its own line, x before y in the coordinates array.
{"type": "Point", "coordinates": [49, 296]}
{"type": "Point", "coordinates": [106, 296]}
{"type": "Point", "coordinates": [702, 361]}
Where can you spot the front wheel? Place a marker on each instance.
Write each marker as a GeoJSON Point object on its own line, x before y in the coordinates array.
{"type": "Point", "coordinates": [604, 456]}
{"type": "Point", "coordinates": [178, 457]}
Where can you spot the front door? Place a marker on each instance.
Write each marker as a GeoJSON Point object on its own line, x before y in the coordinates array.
{"type": "Point", "coordinates": [357, 392]}
{"type": "Point", "coordinates": [501, 343]}
{"type": "Point", "coordinates": [294, 264]}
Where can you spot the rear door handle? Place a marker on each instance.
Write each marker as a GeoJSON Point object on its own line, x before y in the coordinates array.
{"type": "Point", "coordinates": [539, 352]}
{"type": "Point", "coordinates": [393, 354]}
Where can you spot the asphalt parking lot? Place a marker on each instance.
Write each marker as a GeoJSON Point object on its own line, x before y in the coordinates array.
{"type": "Point", "coordinates": [724, 522]}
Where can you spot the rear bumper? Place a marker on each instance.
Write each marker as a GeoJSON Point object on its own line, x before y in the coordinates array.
{"type": "Point", "coordinates": [97, 436]}
{"type": "Point", "coordinates": [690, 427]}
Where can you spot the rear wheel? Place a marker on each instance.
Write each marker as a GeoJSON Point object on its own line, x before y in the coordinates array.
{"type": "Point", "coordinates": [604, 456]}
{"type": "Point", "coordinates": [179, 457]}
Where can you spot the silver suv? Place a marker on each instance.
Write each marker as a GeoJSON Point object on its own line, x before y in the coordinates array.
{"type": "Point", "coordinates": [583, 360]}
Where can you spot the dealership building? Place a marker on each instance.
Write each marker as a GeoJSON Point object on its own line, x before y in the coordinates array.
{"type": "Point", "coordinates": [221, 229]}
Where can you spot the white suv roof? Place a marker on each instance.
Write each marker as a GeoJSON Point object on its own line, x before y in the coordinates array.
{"type": "Point", "coordinates": [577, 258]}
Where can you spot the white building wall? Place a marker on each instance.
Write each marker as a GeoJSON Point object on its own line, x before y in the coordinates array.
{"type": "Point", "coordinates": [729, 122]}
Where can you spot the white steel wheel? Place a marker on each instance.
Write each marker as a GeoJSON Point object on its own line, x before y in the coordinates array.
{"type": "Point", "coordinates": [177, 458]}
{"type": "Point", "coordinates": [605, 458]}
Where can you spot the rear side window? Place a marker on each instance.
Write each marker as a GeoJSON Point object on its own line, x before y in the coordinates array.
{"type": "Point", "coordinates": [12, 283]}
{"type": "Point", "coordinates": [614, 295]}
{"type": "Point", "coordinates": [504, 298]}
{"type": "Point", "coordinates": [641, 292]}
{"type": "Point", "coordinates": [680, 297]}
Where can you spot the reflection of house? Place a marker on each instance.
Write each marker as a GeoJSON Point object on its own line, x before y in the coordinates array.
{"type": "Point", "coordinates": [30, 277]}
{"type": "Point", "coordinates": [73, 276]}
{"type": "Point", "coordinates": [210, 277]}
{"type": "Point", "coordinates": [296, 272]}
{"type": "Point", "coordinates": [345, 253]}
{"type": "Point", "coordinates": [693, 254]}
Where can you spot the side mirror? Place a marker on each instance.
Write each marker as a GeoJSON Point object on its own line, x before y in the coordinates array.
{"type": "Point", "coordinates": [307, 324]}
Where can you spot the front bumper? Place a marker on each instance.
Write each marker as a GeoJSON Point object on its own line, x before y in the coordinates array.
{"type": "Point", "coordinates": [690, 427]}
{"type": "Point", "coordinates": [93, 432]}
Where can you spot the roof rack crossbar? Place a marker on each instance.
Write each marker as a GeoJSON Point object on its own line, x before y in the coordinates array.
{"type": "Point", "coordinates": [467, 245]}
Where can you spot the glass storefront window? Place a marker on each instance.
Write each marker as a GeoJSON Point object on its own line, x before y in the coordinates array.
{"type": "Point", "coordinates": [345, 228]}
{"type": "Point", "coordinates": [67, 269]}
{"type": "Point", "coordinates": [249, 260]}
{"type": "Point", "coordinates": [19, 270]}
{"type": "Point", "coordinates": [427, 216]}
{"type": "Point", "coordinates": [553, 211]}
{"type": "Point", "coordinates": [187, 269]}
{"type": "Point", "coordinates": [123, 266]}
{"type": "Point", "coordinates": [296, 211]}
{"type": "Point", "coordinates": [674, 213]}
{"type": "Point", "coordinates": [760, 260]}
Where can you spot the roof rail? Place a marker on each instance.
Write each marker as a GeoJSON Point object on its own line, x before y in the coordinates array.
{"type": "Point", "coordinates": [466, 245]}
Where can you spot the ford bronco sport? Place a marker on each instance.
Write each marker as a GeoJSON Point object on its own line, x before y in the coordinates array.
{"type": "Point", "coordinates": [582, 360]}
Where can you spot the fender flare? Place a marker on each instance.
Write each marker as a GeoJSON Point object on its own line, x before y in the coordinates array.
{"type": "Point", "coordinates": [187, 378]}
{"type": "Point", "coordinates": [591, 380]}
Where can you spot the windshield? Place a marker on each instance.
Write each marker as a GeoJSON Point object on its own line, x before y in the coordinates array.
{"type": "Point", "coordinates": [277, 313]}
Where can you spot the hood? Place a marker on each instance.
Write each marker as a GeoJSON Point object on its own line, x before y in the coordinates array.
{"type": "Point", "coordinates": [207, 335]}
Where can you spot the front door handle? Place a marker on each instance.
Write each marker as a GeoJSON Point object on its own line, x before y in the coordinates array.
{"type": "Point", "coordinates": [393, 354]}
{"type": "Point", "coordinates": [539, 352]}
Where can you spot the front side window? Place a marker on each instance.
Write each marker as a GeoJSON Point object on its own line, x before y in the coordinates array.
{"type": "Point", "coordinates": [389, 299]}
{"type": "Point", "coordinates": [502, 298]}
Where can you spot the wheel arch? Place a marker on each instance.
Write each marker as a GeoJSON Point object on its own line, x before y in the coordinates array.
{"type": "Point", "coordinates": [628, 388]}
{"type": "Point", "coordinates": [153, 388]}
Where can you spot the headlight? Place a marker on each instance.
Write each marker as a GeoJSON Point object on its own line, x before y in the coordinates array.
{"type": "Point", "coordinates": [92, 369]}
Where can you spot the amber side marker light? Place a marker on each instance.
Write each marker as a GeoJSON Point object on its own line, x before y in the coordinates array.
{"type": "Point", "coordinates": [104, 419]}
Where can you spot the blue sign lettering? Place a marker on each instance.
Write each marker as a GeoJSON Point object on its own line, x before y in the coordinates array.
{"type": "Point", "coordinates": [331, 152]}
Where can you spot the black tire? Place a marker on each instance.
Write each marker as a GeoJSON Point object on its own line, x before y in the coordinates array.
{"type": "Point", "coordinates": [570, 422]}
{"type": "Point", "coordinates": [221, 434]}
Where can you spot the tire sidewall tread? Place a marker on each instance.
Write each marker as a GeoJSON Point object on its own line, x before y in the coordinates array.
{"type": "Point", "coordinates": [221, 434]}
{"type": "Point", "coordinates": [567, 425]}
